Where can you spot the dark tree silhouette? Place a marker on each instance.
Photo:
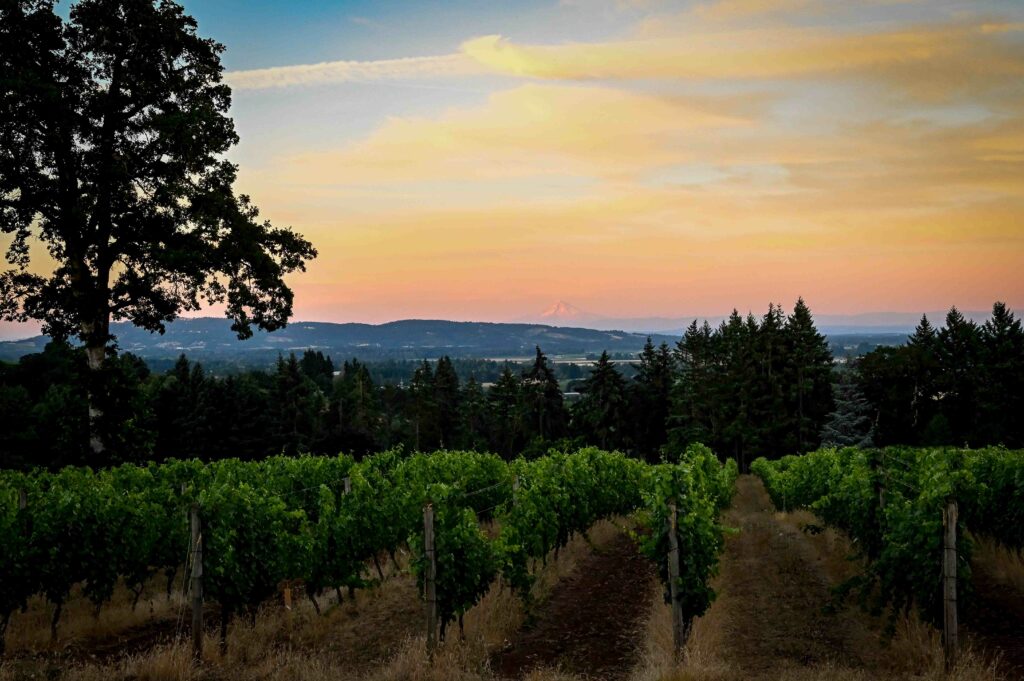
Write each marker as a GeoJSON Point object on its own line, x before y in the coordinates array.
{"type": "Point", "coordinates": [545, 415]}
{"type": "Point", "coordinates": [113, 127]}
{"type": "Point", "coordinates": [601, 413]}
{"type": "Point", "coordinates": [506, 409]}
{"type": "Point", "coordinates": [650, 397]}
{"type": "Point", "coordinates": [446, 395]}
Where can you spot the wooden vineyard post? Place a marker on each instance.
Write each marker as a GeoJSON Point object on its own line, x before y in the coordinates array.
{"type": "Point", "coordinates": [673, 578]}
{"type": "Point", "coordinates": [347, 485]}
{"type": "Point", "coordinates": [431, 578]}
{"type": "Point", "coordinates": [197, 582]}
{"type": "Point", "coordinates": [515, 489]}
{"type": "Point", "coordinates": [876, 477]}
{"type": "Point", "coordinates": [877, 512]}
{"type": "Point", "coordinates": [949, 628]}
{"type": "Point", "coordinates": [22, 500]}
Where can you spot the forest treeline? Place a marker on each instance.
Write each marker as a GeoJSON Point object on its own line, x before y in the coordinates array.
{"type": "Point", "coordinates": [752, 386]}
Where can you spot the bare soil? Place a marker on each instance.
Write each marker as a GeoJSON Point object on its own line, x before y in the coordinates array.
{"type": "Point", "coordinates": [590, 626]}
{"type": "Point", "coordinates": [775, 593]}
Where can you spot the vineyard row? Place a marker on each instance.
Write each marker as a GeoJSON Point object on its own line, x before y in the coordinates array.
{"type": "Point", "coordinates": [912, 513]}
{"type": "Point", "coordinates": [321, 520]}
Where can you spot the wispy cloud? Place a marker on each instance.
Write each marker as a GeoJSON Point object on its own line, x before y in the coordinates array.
{"type": "Point", "coordinates": [733, 153]}
{"type": "Point", "coordinates": [531, 130]}
{"type": "Point", "coordinates": [448, 65]}
{"type": "Point", "coordinates": [925, 54]}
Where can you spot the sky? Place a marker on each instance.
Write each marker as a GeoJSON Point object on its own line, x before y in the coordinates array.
{"type": "Point", "coordinates": [471, 160]}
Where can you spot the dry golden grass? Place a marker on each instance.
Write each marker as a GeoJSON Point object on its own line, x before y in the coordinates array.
{"type": "Point", "coordinates": [165, 663]}
{"type": "Point", "coordinates": [375, 636]}
{"type": "Point", "coordinates": [1004, 566]}
{"type": "Point", "coordinates": [914, 654]}
{"type": "Point", "coordinates": [700, 660]}
{"type": "Point", "coordinates": [491, 623]}
{"type": "Point", "coordinates": [833, 548]}
{"type": "Point", "coordinates": [30, 630]}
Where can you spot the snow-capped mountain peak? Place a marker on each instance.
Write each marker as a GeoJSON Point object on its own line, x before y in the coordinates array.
{"type": "Point", "coordinates": [563, 310]}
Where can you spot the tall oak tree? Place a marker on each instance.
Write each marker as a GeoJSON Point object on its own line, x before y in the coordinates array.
{"type": "Point", "coordinates": [116, 199]}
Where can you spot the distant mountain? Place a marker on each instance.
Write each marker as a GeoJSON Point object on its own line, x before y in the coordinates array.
{"type": "Point", "coordinates": [847, 324]}
{"type": "Point", "coordinates": [212, 339]}
{"type": "Point", "coordinates": [563, 312]}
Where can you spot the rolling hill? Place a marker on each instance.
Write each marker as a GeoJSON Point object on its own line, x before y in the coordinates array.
{"type": "Point", "coordinates": [210, 338]}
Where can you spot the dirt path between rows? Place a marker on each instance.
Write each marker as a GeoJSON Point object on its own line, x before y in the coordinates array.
{"type": "Point", "coordinates": [590, 626]}
{"type": "Point", "coordinates": [774, 593]}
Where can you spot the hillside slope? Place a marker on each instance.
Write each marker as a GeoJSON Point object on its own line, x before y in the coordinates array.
{"type": "Point", "coordinates": [209, 338]}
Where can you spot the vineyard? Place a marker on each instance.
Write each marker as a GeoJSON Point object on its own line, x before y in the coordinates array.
{"type": "Point", "coordinates": [894, 502]}
{"type": "Point", "coordinates": [443, 533]}
{"type": "Point", "coordinates": [319, 522]}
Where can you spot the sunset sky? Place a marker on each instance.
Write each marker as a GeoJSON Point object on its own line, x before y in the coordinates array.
{"type": "Point", "coordinates": [472, 160]}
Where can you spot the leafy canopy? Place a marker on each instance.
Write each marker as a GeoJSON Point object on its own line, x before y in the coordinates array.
{"type": "Point", "coordinates": [113, 127]}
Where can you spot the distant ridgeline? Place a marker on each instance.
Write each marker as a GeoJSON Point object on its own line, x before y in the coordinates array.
{"type": "Point", "coordinates": [211, 341]}
{"type": "Point", "coordinates": [750, 386]}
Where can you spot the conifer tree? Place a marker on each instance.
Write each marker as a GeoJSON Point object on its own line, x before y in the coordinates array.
{"type": "Point", "coordinates": [423, 416]}
{"type": "Point", "coordinates": [849, 424]}
{"type": "Point", "coordinates": [734, 388]}
{"type": "Point", "coordinates": [355, 414]}
{"type": "Point", "coordinates": [772, 358]}
{"type": "Point", "coordinates": [650, 399]}
{"type": "Point", "coordinates": [506, 413]}
{"type": "Point", "coordinates": [175, 408]}
{"type": "Point", "coordinates": [545, 415]}
{"type": "Point", "coordinates": [1001, 399]}
{"type": "Point", "coordinates": [472, 417]}
{"type": "Point", "coordinates": [959, 350]}
{"type": "Point", "coordinates": [692, 418]}
{"type": "Point", "coordinates": [921, 359]}
{"type": "Point", "coordinates": [446, 395]}
{"type": "Point", "coordinates": [600, 414]}
{"type": "Point", "coordinates": [319, 368]}
{"type": "Point", "coordinates": [396, 416]}
{"type": "Point", "coordinates": [299, 407]}
{"type": "Point", "coordinates": [809, 370]}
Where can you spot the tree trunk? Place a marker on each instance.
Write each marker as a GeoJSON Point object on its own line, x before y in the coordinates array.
{"type": "Point", "coordinates": [95, 334]}
{"type": "Point", "coordinates": [94, 355]}
{"type": "Point", "coordinates": [58, 608]}
{"type": "Point", "coordinates": [800, 410]}
{"type": "Point", "coordinates": [312, 599]}
{"type": "Point", "coordinates": [3, 632]}
{"type": "Point", "coordinates": [225, 615]}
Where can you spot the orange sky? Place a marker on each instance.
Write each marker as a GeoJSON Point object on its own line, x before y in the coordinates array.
{"type": "Point", "coordinates": [717, 155]}
{"type": "Point", "coordinates": [683, 159]}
